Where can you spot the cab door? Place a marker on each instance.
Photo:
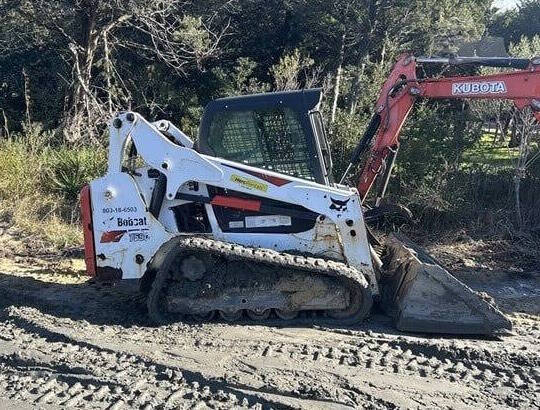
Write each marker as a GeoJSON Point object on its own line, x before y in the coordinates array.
{"type": "Point", "coordinates": [282, 132]}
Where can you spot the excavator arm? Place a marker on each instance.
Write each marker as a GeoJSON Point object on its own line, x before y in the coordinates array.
{"type": "Point", "coordinates": [403, 88]}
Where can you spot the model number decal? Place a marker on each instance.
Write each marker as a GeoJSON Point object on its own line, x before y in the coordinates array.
{"type": "Point", "coordinates": [138, 237]}
{"type": "Point", "coordinates": [125, 209]}
{"type": "Point", "coordinates": [482, 87]}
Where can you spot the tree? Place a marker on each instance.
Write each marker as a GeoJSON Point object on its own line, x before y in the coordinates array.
{"type": "Point", "coordinates": [88, 34]}
{"type": "Point", "coordinates": [294, 71]}
{"type": "Point", "coordinates": [524, 20]}
{"type": "Point", "coordinates": [528, 128]}
{"type": "Point", "coordinates": [384, 30]}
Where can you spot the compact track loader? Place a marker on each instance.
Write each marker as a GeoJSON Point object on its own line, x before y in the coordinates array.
{"type": "Point", "coordinates": [250, 221]}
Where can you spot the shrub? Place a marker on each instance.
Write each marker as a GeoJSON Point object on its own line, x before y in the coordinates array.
{"type": "Point", "coordinates": [19, 170]}
{"type": "Point", "coordinates": [40, 185]}
{"type": "Point", "coordinates": [68, 170]}
{"type": "Point", "coordinates": [47, 220]}
{"type": "Point", "coordinates": [344, 135]}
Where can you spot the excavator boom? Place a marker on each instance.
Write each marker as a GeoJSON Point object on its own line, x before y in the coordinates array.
{"type": "Point", "coordinates": [403, 88]}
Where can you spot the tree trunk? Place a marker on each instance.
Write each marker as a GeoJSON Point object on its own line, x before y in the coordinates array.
{"type": "Point", "coordinates": [383, 52]}
{"type": "Point", "coordinates": [108, 74]}
{"type": "Point", "coordinates": [514, 141]}
{"type": "Point", "coordinates": [505, 125]}
{"type": "Point", "coordinates": [356, 88]}
{"type": "Point", "coordinates": [80, 116]}
{"type": "Point", "coordinates": [339, 73]}
{"type": "Point", "coordinates": [520, 170]}
{"type": "Point", "coordinates": [498, 127]}
{"type": "Point", "coordinates": [6, 126]}
{"type": "Point", "coordinates": [517, 199]}
{"type": "Point", "coordinates": [27, 96]}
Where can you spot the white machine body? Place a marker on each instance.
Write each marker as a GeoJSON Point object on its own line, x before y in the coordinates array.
{"type": "Point", "coordinates": [125, 234]}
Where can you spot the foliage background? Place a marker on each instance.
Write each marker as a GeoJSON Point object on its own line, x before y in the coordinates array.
{"type": "Point", "coordinates": [67, 65]}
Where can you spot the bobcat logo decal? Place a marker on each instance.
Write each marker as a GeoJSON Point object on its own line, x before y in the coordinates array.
{"type": "Point", "coordinates": [338, 205]}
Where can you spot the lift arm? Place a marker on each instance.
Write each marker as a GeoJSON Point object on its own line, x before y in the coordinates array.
{"type": "Point", "coordinates": [402, 88]}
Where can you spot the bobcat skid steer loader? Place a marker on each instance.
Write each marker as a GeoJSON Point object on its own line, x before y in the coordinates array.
{"type": "Point", "coordinates": [250, 222]}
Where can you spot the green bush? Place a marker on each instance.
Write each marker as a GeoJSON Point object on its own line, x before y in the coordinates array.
{"type": "Point", "coordinates": [68, 170]}
{"type": "Point", "coordinates": [19, 170]}
{"type": "Point", "coordinates": [344, 135]}
{"type": "Point", "coordinates": [434, 139]}
{"type": "Point", "coordinates": [40, 185]}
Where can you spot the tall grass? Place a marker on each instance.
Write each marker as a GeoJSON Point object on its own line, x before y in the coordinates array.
{"type": "Point", "coordinates": [40, 181]}
{"type": "Point", "coordinates": [39, 186]}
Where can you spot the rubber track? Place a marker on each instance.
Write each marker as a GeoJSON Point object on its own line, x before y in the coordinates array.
{"type": "Point", "coordinates": [280, 260]}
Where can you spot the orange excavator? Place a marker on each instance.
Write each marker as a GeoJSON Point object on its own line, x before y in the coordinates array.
{"type": "Point", "coordinates": [403, 88]}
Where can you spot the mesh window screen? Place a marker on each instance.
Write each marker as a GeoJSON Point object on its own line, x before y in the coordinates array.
{"type": "Point", "coordinates": [272, 139]}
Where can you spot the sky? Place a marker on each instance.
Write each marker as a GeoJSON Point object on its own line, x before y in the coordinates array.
{"type": "Point", "coordinates": [505, 4]}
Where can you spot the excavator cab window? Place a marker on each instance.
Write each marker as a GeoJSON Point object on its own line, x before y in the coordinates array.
{"type": "Point", "coordinates": [280, 132]}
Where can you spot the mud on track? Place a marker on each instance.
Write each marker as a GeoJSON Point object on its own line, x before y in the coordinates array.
{"type": "Point", "coordinates": [66, 342]}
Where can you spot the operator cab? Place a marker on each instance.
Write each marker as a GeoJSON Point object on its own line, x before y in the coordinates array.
{"type": "Point", "coordinates": [282, 132]}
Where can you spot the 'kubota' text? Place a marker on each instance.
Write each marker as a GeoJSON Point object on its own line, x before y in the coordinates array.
{"type": "Point", "coordinates": [482, 87]}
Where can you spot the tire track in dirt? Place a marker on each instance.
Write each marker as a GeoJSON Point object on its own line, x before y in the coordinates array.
{"type": "Point", "coordinates": [90, 346]}
{"type": "Point", "coordinates": [50, 368]}
{"type": "Point", "coordinates": [421, 359]}
{"type": "Point", "coordinates": [487, 371]}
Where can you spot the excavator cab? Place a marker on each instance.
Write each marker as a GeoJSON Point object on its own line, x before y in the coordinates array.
{"type": "Point", "coordinates": [281, 132]}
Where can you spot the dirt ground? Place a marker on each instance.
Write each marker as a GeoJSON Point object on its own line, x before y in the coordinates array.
{"type": "Point", "coordinates": [67, 342]}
